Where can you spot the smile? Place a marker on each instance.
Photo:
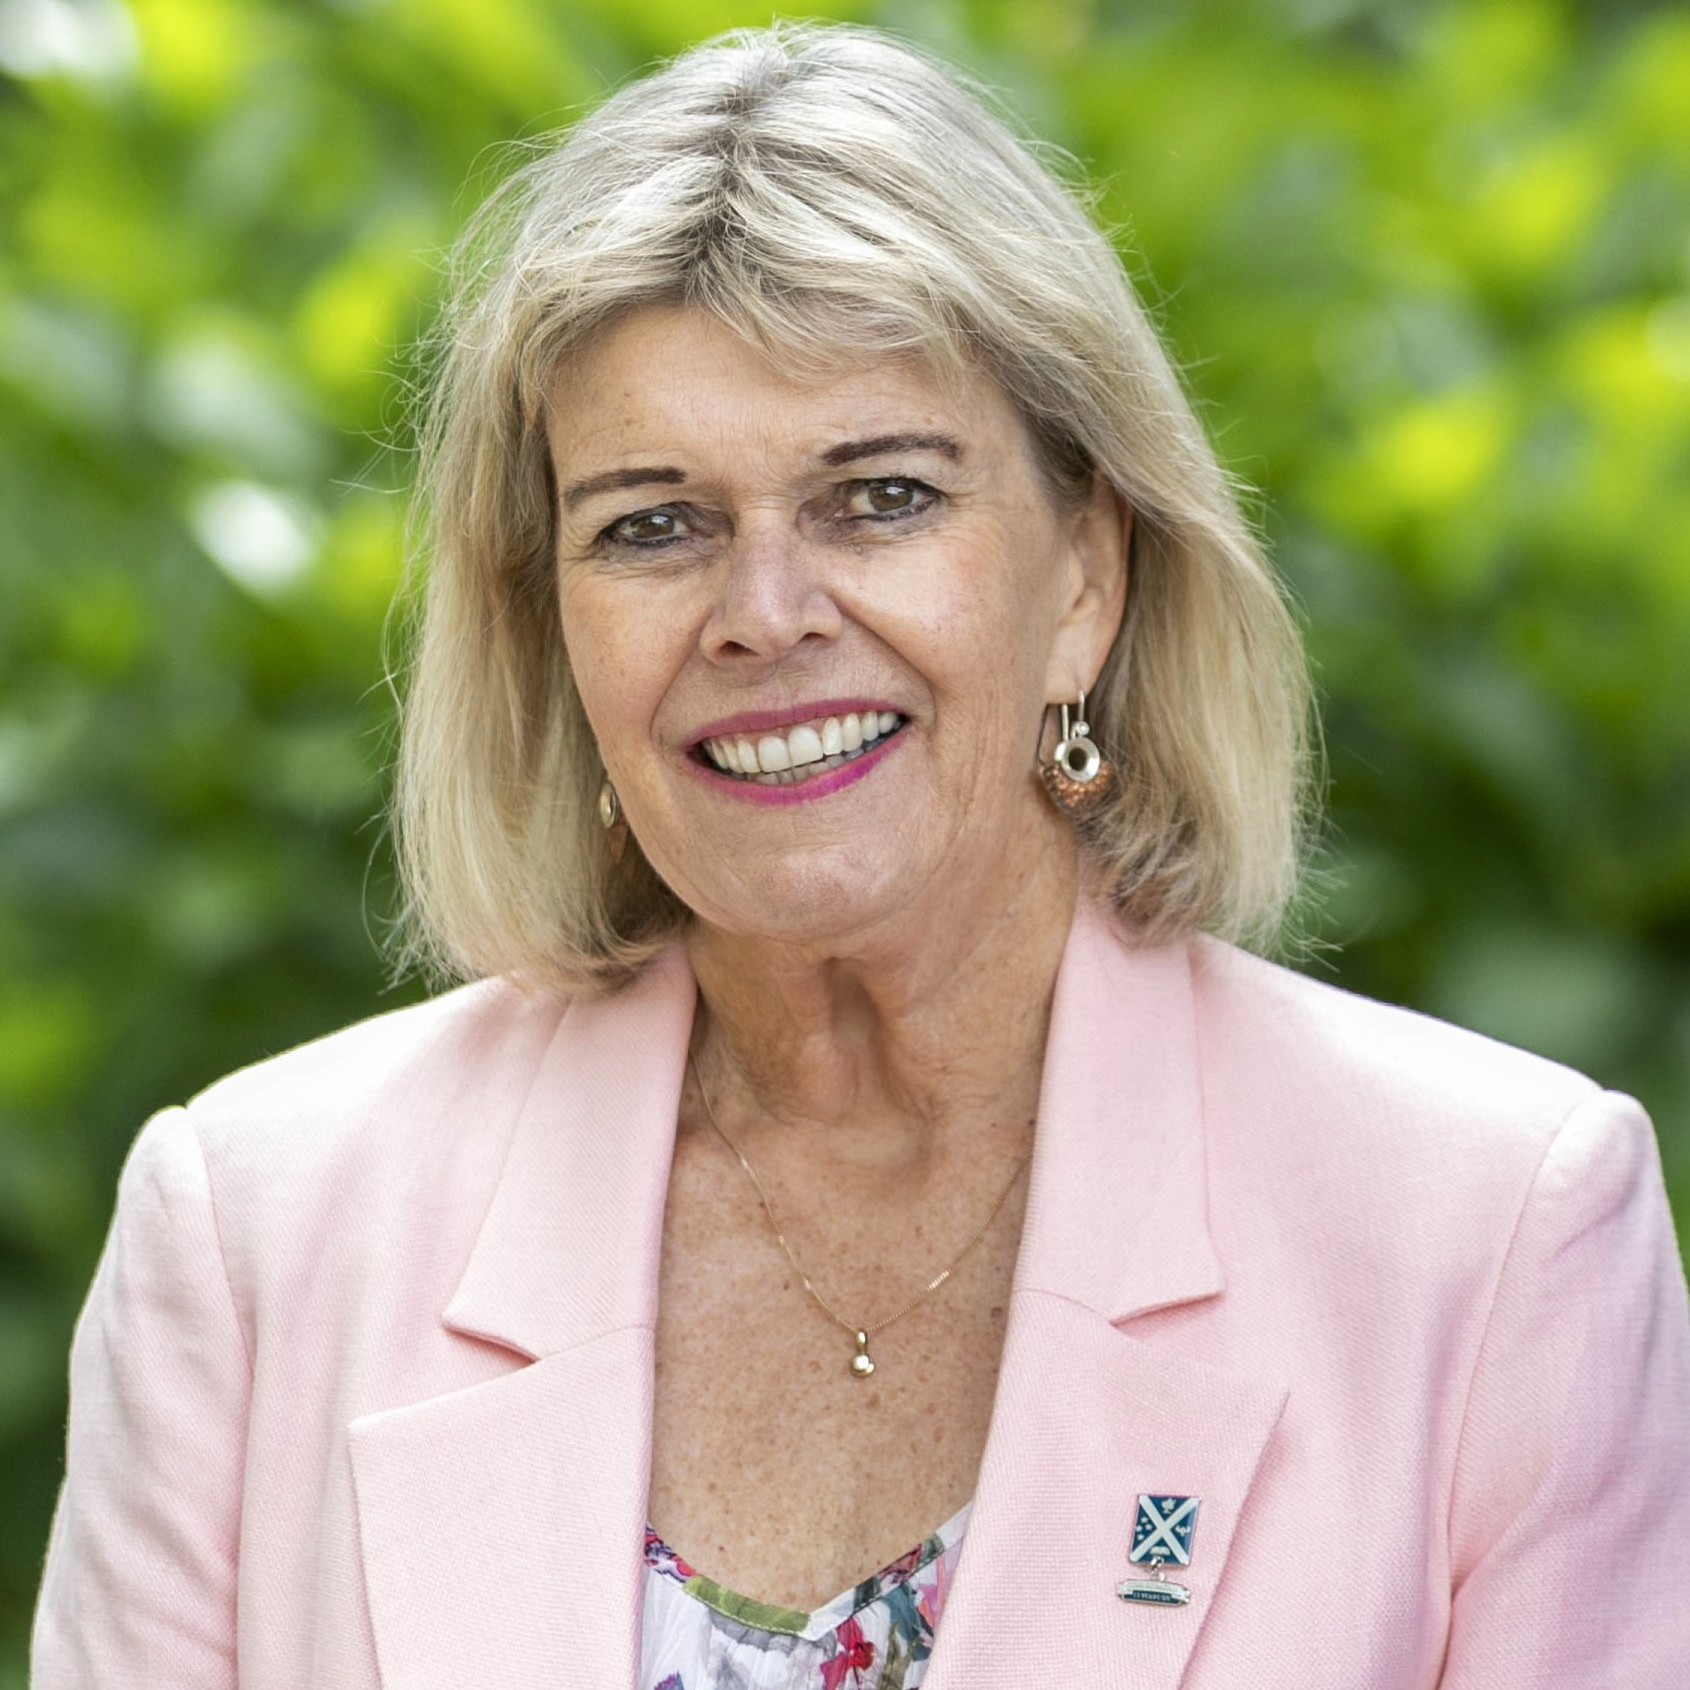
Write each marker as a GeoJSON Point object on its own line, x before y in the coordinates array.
{"type": "Point", "coordinates": [802, 752]}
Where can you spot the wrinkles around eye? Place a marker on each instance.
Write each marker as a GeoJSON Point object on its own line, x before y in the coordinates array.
{"type": "Point", "coordinates": [663, 525]}
{"type": "Point", "coordinates": [860, 498]}
{"type": "Point", "coordinates": [874, 501]}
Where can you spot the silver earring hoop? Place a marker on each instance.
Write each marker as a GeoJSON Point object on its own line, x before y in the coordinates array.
{"type": "Point", "coordinates": [1075, 752]}
{"type": "Point", "coordinates": [1078, 776]}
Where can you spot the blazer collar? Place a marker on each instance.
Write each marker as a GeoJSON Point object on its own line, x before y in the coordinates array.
{"type": "Point", "coordinates": [1089, 1416]}
{"type": "Point", "coordinates": [500, 1525]}
{"type": "Point", "coordinates": [1117, 1207]}
{"type": "Point", "coordinates": [569, 1246]}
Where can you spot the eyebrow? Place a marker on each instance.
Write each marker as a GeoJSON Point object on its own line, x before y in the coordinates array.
{"type": "Point", "coordinates": [846, 452]}
{"type": "Point", "coordinates": [612, 480]}
{"type": "Point", "coordinates": [878, 445]}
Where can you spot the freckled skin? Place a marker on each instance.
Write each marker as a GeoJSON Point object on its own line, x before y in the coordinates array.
{"type": "Point", "coordinates": [875, 965]}
{"type": "Point", "coordinates": [952, 617]}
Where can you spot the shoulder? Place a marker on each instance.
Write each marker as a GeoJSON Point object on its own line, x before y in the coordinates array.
{"type": "Point", "coordinates": [1372, 1170]}
{"type": "Point", "coordinates": [1389, 1144]}
{"type": "Point", "coordinates": [389, 1130]}
{"type": "Point", "coordinates": [1316, 1055]}
{"type": "Point", "coordinates": [390, 1067]}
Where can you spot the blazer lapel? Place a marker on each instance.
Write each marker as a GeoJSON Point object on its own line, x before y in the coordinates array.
{"type": "Point", "coordinates": [1089, 1416]}
{"type": "Point", "coordinates": [501, 1524]}
{"type": "Point", "coordinates": [1087, 1419]}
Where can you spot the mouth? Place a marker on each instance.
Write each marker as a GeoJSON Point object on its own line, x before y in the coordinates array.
{"type": "Point", "coordinates": [801, 752]}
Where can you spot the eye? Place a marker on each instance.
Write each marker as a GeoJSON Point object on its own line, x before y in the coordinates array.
{"type": "Point", "coordinates": [888, 496]}
{"type": "Point", "coordinates": [655, 527]}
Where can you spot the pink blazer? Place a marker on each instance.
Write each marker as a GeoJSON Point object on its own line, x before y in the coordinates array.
{"type": "Point", "coordinates": [362, 1392]}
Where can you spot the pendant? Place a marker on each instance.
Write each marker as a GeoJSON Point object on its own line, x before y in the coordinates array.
{"type": "Point", "coordinates": [862, 1364]}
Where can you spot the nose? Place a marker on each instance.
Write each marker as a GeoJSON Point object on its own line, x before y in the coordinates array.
{"type": "Point", "coordinates": [772, 596]}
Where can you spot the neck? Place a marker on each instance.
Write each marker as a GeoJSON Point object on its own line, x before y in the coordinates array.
{"type": "Point", "coordinates": [887, 1041]}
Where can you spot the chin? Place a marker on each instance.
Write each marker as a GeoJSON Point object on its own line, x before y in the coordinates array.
{"type": "Point", "coordinates": [807, 899]}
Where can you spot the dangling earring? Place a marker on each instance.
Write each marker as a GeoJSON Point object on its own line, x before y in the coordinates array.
{"type": "Point", "coordinates": [615, 823]}
{"type": "Point", "coordinates": [1078, 777]}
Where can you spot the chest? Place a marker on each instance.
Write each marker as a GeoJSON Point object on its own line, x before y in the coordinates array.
{"type": "Point", "coordinates": [776, 1470]}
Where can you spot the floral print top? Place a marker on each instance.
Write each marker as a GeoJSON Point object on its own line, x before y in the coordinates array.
{"type": "Point", "coordinates": [696, 1635]}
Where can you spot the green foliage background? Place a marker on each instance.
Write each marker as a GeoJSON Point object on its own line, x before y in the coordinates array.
{"type": "Point", "coordinates": [1428, 267]}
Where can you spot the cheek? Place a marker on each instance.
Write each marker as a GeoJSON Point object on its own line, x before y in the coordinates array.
{"type": "Point", "coordinates": [613, 658]}
{"type": "Point", "coordinates": [991, 634]}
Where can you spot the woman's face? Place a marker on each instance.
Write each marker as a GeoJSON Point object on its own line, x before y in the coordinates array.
{"type": "Point", "coordinates": [815, 626]}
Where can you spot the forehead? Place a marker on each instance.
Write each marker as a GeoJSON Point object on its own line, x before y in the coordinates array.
{"type": "Point", "coordinates": [681, 378]}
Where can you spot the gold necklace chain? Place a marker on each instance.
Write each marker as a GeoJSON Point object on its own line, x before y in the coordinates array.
{"type": "Point", "coordinates": [862, 1364]}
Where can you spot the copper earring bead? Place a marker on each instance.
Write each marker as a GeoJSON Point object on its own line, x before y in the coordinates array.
{"type": "Point", "coordinates": [614, 822]}
{"type": "Point", "coordinates": [1078, 776]}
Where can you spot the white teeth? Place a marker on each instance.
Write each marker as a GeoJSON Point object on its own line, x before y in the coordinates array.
{"type": "Point", "coordinates": [773, 758]}
{"type": "Point", "coordinates": [804, 745]}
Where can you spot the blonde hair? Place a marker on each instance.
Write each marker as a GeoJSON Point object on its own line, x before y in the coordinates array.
{"type": "Point", "coordinates": [829, 193]}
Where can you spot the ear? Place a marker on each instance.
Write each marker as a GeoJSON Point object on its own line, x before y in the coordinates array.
{"type": "Point", "coordinates": [1097, 544]}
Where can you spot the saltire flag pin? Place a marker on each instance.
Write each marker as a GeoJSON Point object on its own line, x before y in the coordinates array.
{"type": "Point", "coordinates": [1161, 1534]}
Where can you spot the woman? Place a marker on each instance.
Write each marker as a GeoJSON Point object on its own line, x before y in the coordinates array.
{"type": "Point", "coordinates": [846, 691]}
